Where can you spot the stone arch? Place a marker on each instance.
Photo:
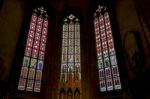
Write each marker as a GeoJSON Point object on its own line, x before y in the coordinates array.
{"type": "Point", "coordinates": [77, 94]}
{"type": "Point", "coordinates": [62, 94]}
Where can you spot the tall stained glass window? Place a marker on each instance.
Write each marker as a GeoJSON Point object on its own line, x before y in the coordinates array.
{"type": "Point", "coordinates": [70, 61]}
{"type": "Point", "coordinates": [109, 78]}
{"type": "Point", "coordinates": [32, 66]}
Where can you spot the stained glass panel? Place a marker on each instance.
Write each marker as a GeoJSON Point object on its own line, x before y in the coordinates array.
{"type": "Point", "coordinates": [106, 58]}
{"type": "Point", "coordinates": [21, 85]}
{"type": "Point", "coordinates": [44, 31]}
{"type": "Point", "coordinates": [38, 28]}
{"type": "Point", "coordinates": [28, 51]}
{"type": "Point", "coordinates": [31, 76]}
{"type": "Point", "coordinates": [29, 42]}
{"type": "Point", "coordinates": [30, 85]}
{"type": "Point", "coordinates": [34, 18]}
{"type": "Point", "coordinates": [40, 65]}
{"type": "Point", "coordinates": [70, 62]}
{"type": "Point", "coordinates": [26, 61]}
{"type": "Point", "coordinates": [37, 86]}
{"type": "Point", "coordinates": [41, 55]}
{"type": "Point", "coordinates": [45, 24]}
{"type": "Point", "coordinates": [43, 38]}
{"type": "Point", "coordinates": [33, 63]}
{"type": "Point", "coordinates": [38, 75]}
{"type": "Point", "coordinates": [32, 26]}
{"type": "Point", "coordinates": [34, 53]}
{"type": "Point", "coordinates": [31, 34]}
{"type": "Point", "coordinates": [40, 20]}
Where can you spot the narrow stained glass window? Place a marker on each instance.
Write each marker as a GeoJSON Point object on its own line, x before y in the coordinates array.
{"type": "Point", "coordinates": [31, 71]}
{"type": "Point", "coordinates": [70, 62]}
{"type": "Point", "coordinates": [109, 78]}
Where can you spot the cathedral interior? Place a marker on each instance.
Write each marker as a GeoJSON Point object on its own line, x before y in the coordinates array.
{"type": "Point", "coordinates": [91, 69]}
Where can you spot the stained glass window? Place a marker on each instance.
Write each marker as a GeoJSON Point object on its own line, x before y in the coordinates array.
{"type": "Point", "coordinates": [31, 71]}
{"type": "Point", "coordinates": [70, 62]}
{"type": "Point", "coordinates": [109, 78]}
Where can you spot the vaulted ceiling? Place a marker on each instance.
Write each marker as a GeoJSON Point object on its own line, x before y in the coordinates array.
{"type": "Point", "coordinates": [59, 5]}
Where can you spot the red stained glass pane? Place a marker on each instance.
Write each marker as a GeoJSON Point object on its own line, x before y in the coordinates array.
{"type": "Point", "coordinates": [29, 42]}
{"type": "Point", "coordinates": [45, 24]}
{"type": "Point", "coordinates": [34, 53]}
{"type": "Point", "coordinates": [37, 36]}
{"type": "Point", "coordinates": [30, 85]}
{"type": "Point", "coordinates": [42, 47]}
{"type": "Point", "coordinates": [44, 31]}
{"type": "Point", "coordinates": [21, 85]}
{"type": "Point", "coordinates": [39, 28]}
{"type": "Point", "coordinates": [36, 44]}
{"type": "Point", "coordinates": [40, 20]}
{"type": "Point", "coordinates": [43, 38]}
{"type": "Point", "coordinates": [28, 51]}
{"type": "Point", "coordinates": [31, 34]}
{"type": "Point", "coordinates": [41, 55]}
{"type": "Point", "coordinates": [32, 26]}
{"type": "Point", "coordinates": [34, 18]}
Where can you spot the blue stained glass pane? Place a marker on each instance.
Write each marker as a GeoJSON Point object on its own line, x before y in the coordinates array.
{"type": "Point", "coordinates": [40, 65]}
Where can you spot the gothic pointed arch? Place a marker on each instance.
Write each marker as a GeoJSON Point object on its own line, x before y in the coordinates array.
{"type": "Point", "coordinates": [69, 94]}
{"type": "Point", "coordinates": [62, 94]}
{"type": "Point", "coordinates": [76, 94]}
